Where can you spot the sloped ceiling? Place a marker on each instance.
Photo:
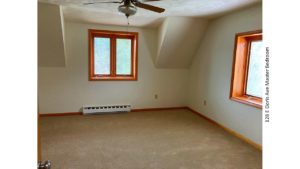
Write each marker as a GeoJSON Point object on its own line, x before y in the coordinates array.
{"type": "Point", "coordinates": [178, 40]}
{"type": "Point", "coordinates": [51, 49]}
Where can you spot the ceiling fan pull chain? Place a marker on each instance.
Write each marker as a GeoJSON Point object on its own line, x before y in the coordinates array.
{"type": "Point", "coordinates": [127, 23]}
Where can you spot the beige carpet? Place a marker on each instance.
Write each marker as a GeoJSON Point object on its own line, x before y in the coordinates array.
{"type": "Point", "coordinates": [174, 139]}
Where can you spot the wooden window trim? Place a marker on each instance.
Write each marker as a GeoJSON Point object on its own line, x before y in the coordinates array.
{"type": "Point", "coordinates": [113, 35]}
{"type": "Point", "coordinates": [240, 68]}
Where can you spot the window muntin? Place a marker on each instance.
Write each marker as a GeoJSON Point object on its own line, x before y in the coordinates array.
{"type": "Point", "coordinates": [246, 85]}
{"type": "Point", "coordinates": [112, 55]}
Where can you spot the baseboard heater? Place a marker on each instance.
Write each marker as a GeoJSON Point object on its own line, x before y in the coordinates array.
{"type": "Point", "coordinates": [105, 109]}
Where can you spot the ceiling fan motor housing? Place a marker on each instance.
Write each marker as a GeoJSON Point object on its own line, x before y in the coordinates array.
{"type": "Point", "coordinates": [128, 10]}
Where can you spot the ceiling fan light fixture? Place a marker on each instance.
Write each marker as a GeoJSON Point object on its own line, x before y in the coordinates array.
{"type": "Point", "coordinates": [128, 10]}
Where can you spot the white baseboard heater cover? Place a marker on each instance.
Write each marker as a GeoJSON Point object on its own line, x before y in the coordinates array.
{"type": "Point", "coordinates": [106, 109]}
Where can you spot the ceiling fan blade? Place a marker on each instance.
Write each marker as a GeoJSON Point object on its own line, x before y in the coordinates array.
{"type": "Point", "coordinates": [148, 7]}
{"type": "Point", "coordinates": [114, 2]}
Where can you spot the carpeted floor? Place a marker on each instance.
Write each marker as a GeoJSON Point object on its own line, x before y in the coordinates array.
{"type": "Point", "coordinates": [173, 139]}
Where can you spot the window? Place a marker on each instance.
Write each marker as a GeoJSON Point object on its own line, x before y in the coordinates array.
{"type": "Point", "coordinates": [112, 55]}
{"type": "Point", "coordinates": [247, 73]}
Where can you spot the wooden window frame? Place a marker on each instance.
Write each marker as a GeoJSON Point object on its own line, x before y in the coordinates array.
{"type": "Point", "coordinates": [113, 35]}
{"type": "Point", "coordinates": [240, 68]}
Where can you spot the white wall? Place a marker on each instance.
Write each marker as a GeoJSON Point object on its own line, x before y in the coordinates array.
{"type": "Point", "coordinates": [210, 75]}
{"type": "Point", "coordinates": [66, 89]}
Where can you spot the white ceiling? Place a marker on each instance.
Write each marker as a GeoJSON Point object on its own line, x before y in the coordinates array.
{"type": "Point", "coordinates": [108, 14]}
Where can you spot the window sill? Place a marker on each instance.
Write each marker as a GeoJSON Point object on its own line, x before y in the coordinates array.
{"type": "Point", "coordinates": [251, 101]}
{"type": "Point", "coordinates": [107, 78]}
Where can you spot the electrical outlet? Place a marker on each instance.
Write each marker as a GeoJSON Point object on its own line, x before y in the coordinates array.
{"type": "Point", "coordinates": [155, 96]}
{"type": "Point", "coordinates": [204, 102]}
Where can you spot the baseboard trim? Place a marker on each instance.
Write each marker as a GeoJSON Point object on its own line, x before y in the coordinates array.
{"type": "Point", "coordinates": [132, 110]}
{"type": "Point", "coordinates": [158, 109]}
{"type": "Point", "coordinates": [60, 114]}
{"type": "Point", "coordinates": [243, 138]}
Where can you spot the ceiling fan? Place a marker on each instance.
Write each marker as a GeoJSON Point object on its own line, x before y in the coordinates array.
{"type": "Point", "coordinates": [128, 7]}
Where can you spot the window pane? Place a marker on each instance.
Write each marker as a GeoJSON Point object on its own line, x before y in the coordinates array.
{"type": "Point", "coordinates": [102, 56]}
{"type": "Point", "coordinates": [123, 56]}
{"type": "Point", "coordinates": [255, 72]}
